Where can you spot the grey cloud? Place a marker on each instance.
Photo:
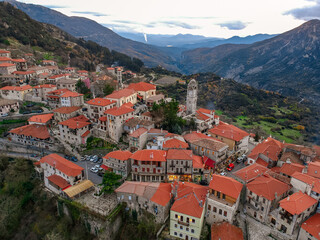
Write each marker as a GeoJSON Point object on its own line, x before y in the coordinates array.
{"type": "Point", "coordinates": [306, 13]}
{"type": "Point", "coordinates": [96, 14]}
{"type": "Point", "coordinates": [235, 25]}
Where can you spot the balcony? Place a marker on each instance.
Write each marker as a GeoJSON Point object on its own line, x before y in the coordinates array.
{"type": "Point", "coordinates": [183, 223]}
{"type": "Point", "coordinates": [220, 200]}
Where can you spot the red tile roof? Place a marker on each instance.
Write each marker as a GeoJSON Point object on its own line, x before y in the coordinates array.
{"type": "Point", "coordinates": [148, 114]}
{"type": "Point", "coordinates": [118, 111]}
{"type": "Point", "coordinates": [314, 169]}
{"type": "Point", "coordinates": [59, 181]}
{"type": "Point", "coordinates": [291, 168]}
{"type": "Point", "coordinates": [229, 131]}
{"type": "Point", "coordinates": [267, 187]}
{"type": "Point", "coordinates": [312, 226]}
{"type": "Point", "coordinates": [137, 133]}
{"type": "Point", "coordinates": [85, 134]}
{"type": "Point", "coordinates": [76, 122]}
{"type": "Point", "coordinates": [175, 143]}
{"type": "Point", "coordinates": [23, 72]}
{"type": "Point", "coordinates": [5, 59]}
{"type": "Point", "coordinates": [71, 94]}
{"type": "Point", "coordinates": [188, 200]}
{"type": "Point", "coordinates": [59, 91]}
{"type": "Point", "coordinates": [150, 155]}
{"type": "Point", "coordinates": [62, 164]}
{"type": "Point", "coordinates": [194, 136]}
{"type": "Point", "coordinates": [270, 147]}
{"type": "Point", "coordinates": [19, 60]}
{"type": "Point", "coordinates": [225, 231]}
{"type": "Point", "coordinates": [82, 71]}
{"type": "Point", "coordinates": [262, 162]}
{"type": "Point", "coordinates": [251, 172]}
{"type": "Point", "coordinates": [120, 155]}
{"type": "Point", "coordinates": [100, 102]}
{"type": "Point", "coordinates": [312, 181]}
{"type": "Point", "coordinates": [226, 185]}
{"type": "Point", "coordinates": [4, 51]}
{"type": "Point", "coordinates": [126, 92]}
{"type": "Point", "coordinates": [58, 76]}
{"type": "Point", "coordinates": [163, 194]}
{"type": "Point", "coordinates": [66, 110]}
{"type": "Point", "coordinates": [297, 203]}
{"type": "Point", "coordinates": [33, 130]}
{"type": "Point", "coordinates": [45, 86]}
{"type": "Point", "coordinates": [180, 154]}
{"type": "Point", "coordinates": [14, 88]}
{"type": "Point", "coordinates": [7, 64]}
{"type": "Point", "coordinates": [44, 118]}
{"type": "Point", "coordinates": [142, 86]}
{"type": "Point", "coordinates": [103, 119]}
{"type": "Point", "coordinates": [197, 162]}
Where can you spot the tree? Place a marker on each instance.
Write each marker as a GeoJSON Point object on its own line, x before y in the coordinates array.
{"type": "Point", "coordinates": [108, 89]}
{"type": "Point", "coordinates": [109, 182]}
{"type": "Point", "coordinates": [82, 88]}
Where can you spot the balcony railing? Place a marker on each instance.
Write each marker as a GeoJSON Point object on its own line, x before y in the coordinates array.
{"type": "Point", "coordinates": [183, 223]}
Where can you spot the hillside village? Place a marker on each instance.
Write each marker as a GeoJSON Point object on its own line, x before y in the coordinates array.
{"type": "Point", "coordinates": [212, 174]}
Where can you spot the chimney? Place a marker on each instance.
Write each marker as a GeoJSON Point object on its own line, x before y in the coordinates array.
{"type": "Point", "coordinates": [201, 203]}
{"type": "Point", "coordinates": [276, 195]}
{"type": "Point", "coordinates": [151, 155]}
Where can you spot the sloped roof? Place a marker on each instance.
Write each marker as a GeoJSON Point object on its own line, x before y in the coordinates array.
{"type": "Point", "coordinates": [312, 181]}
{"type": "Point", "coordinates": [229, 131]}
{"type": "Point", "coordinates": [251, 172]}
{"type": "Point", "coordinates": [226, 185]}
{"type": "Point", "coordinates": [126, 92]}
{"type": "Point", "coordinates": [150, 155]}
{"type": "Point", "coordinates": [44, 118]}
{"type": "Point", "coordinates": [197, 162]}
{"type": "Point", "coordinates": [62, 164]}
{"type": "Point", "coordinates": [59, 181]}
{"type": "Point", "coordinates": [137, 133]}
{"type": "Point", "coordinates": [33, 130]}
{"type": "Point", "coordinates": [78, 188]}
{"type": "Point", "coordinates": [194, 136]}
{"type": "Point", "coordinates": [45, 86]}
{"type": "Point", "coordinates": [120, 155]}
{"type": "Point", "coordinates": [270, 147]}
{"type": "Point", "coordinates": [226, 231]}
{"type": "Point", "coordinates": [297, 203]}
{"type": "Point", "coordinates": [291, 168]}
{"type": "Point", "coordinates": [15, 88]}
{"type": "Point", "coordinates": [71, 94]}
{"type": "Point", "coordinates": [314, 169]}
{"type": "Point", "coordinates": [118, 111]}
{"type": "Point", "coordinates": [180, 154]}
{"type": "Point", "coordinates": [76, 122]}
{"type": "Point", "coordinates": [100, 102]}
{"type": "Point", "coordinates": [267, 187]}
{"type": "Point", "coordinates": [7, 64]}
{"type": "Point", "coordinates": [142, 86]}
{"type": "Point", "coordinates": [175, 143]}
{"type": "Point", "coordinates": [163, 194]}
{"type": "Point", "coordinates": [312, 226]}
{"type": "Point", "coordinates": [211, 144]}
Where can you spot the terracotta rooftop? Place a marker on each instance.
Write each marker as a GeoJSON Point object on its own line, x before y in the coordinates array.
{"type": "Point", "coordinates": [118, 111]}
{"type": "Point", "coordinates": [150, 155]}
{"type": "Point", "coordinates": [314, 169]}
{"type": "Point", "coordinates": [126, 92]}
{"type": "Point", "coordinates": [197, 162]}
{"type": "Point", "coordinates": [67, 167]}
{"type": "Point", "coordinates": [19, 60]}
{"type": "Point", "coordinates": [268, 187]}
{"type": "Point", "coordinates": [4, 51]}
{"type": "Point", "coordinates": [66, 110]}
{"type": "Point", "coordinates": [312, 181]}
{"type": "Point", "coordinates": [291, 168]}
{"type": "Point", "coordinates": [312, 226]}
{"type": "Point", "coordinates": [251, 172]}
{"type": "Point", "coordinates": [71, 94]}
{"type": "Point", "coordinates": [100, 102]}
{"type": "Point", "coordinates": [211, 144]}
{"type": "Point", "coordinates": [225, 231]}
{"type": "Point", "coordinates": [163, 194]}
{"type": "Point", "coordinates": [5, 59]}
{"type": "Point", "coordinates": [59, 181]}
{"type": "Point", "coordinates": [175, 143]}
{"type": "Point", "coordinates": [297, 203]}
{"type": "Point", "coordinates": [15, 88]}
{"type": "Point", "coordinates": [33, 130]}
{"type": "Point", "coordinates": [292, 157]}
{"type": "Point", "coordinates": [228, 131]}
{"type": "Point", "coordinates": [120, 155]}
{"type": "Point", "coordinates": [45, 86]}
{"type": "Point", "coordinates": [59, 76]}
{"type": "Point", "coordinates": [44, 118]}
{"type": "Point", "coordinates": [194, 136]}
{"type": "Point", "coordinates": [142, 86]}
{"type": "Point", "coordinates": [7, 64]}
{"type": "Point", "coordinates": [137, 133]}
{"type": "Point", "coordinates": [76, 122]}
{"type": "Point", "coordinates": [300, 149]}
{"type": "Point", "coordinates": [180, 154]}
{"type": "Point", "coordinates": [270, 148]}
{"type": "Point", "coordinates": [226, 185]}
{"type": "Point", "coordinates": [23, 72]}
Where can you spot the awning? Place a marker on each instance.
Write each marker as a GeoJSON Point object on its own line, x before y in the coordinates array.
{"type": "Point", "coordinates": [59, 181]}
{"type": "Point", "coordinates": [79, 188]}
{"type": "Point", "coordinates": [106, 168]}
{"type": "Point", "coordinates": [139, 96]}
{"type": "Point", "coordinates": [209, 162]}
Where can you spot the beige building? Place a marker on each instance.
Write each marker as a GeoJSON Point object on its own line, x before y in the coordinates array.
{"type": "Point", "coordinates": [75, 130]}
{"type": "Point", "coordinates": [97, 107]}
{"type": "Point", "coordinates": [151, 197]}
{"type": "Point", "coordinates": [144, 90]}
{"type": "Point", "coordinates": [70, 99]}
{"type": "Point", "coordinates": [15, 93]}
{"type": "Point", "coordinates": [263, 196]}
{"type": "Point", "coordinates": [123, 96]}
{"type": "Point", "coordinates": [7, 68]}
{"type": "Point", "coordinates": [119, 162]}
{"type": "Point", "coordinates": [223, 199]}
{"type": "Point", "coordinates": [293, 210]}
{"type": "Point", "coordinates": [67, 83]}
{"type": "Point", "coordinates": [42, 90]}
{"type": "Point", "coordinates": [148, 165]}
{"type": "Point", "coordinates": [7, 105]}
{"type": "Point", "coordinates": [179, 165]}
{"type": "Point", "coordinates": [5, 53]}
{"type": "Point", "coordinates": [64, 113]}
{"type": "Point", "coordinates": [138, 139]}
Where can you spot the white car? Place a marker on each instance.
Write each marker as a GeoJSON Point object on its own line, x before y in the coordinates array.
{"type": "Point", "coordinates": [223, 174]}
{"type": "Point", "coordinates": [94, 170]}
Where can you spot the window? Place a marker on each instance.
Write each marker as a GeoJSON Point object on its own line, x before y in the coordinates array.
{"type": "Point", "coordinates": [192, 230]}
{"type": "Point", "coordinates": [181, 218]}
{"type": "Point", "coordinates": [175, 225]}
{"type": "Point", "coordinates": [175, 233]}
{"type": "Point", "coordinates": [220, 211]}
{"type": "Point", "coordinates": [214, 209]}
{"type": "Point", "coordinates": [176, 216]}
{"type": "Point", "coordinates": [250, 192]}
{"type": "Point", "coordinates": [223, 196]}
{"type": "Point", "coordinates": [193, 220]}
{"type": "Point", "coordinates": [264, 200]}
{"type": "Point", "coordinates": [225, 213]}
{"type": "Point", "coordinates": [187, 219]}
{"type": "Point", "coordinates": [130, 198]}
{"type": "Point", "coordinates": [187, 229]}
{"type": "Point", "coordinates": [180, 234]}
{"type": "Point", "coordinates": [181, 227]}
{"type": "Point", "coordinates": [262, 208]}
{"type": "Point", "coordinates": [209, 207]}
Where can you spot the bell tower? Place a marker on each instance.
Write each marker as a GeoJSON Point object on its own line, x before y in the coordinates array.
{"type": "Point", "coordinates": [192, 96]}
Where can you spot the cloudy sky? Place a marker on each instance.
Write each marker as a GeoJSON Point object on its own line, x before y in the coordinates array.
{"type": "Point", "coordinates": [214, 18]}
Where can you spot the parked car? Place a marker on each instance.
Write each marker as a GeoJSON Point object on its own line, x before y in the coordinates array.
{"type": "Point", "coordinates": [94, 170]}
{"type": "Point", "coordinates": [230, 167]}
{"type": "Point", "coordinates": [100, 160]}
{"type": "Point", "coordinates": [34, 155]}
{"type": "Point", "coordinates": [240, 159]}
{"type": "Point", "coordinates": [26, 112]}
{"type": "Point", "coordinates": [30, 105]}
{"type": "Point", "coordinates": [74, 159]}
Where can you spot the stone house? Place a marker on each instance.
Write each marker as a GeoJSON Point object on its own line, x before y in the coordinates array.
{"type": "Point", "coordinates": [97, 107]}
{"type": "Point", "coordinates": [249, 173]}
{"type": "Point", "coordinates": [53, 97]}
{"type": "Point", "coordinates": [64, 113]}
{"type": "Point", "coordinates": [67, 83]}
{"type": "Point", "coordinates": [70, 99]}
{"type": "Point", "coordinates": [179, 164]}
{"type": "Point", "coordinates": [5, 53]}
{"type": "Point", "coordinates": [119, 161]}
{"type": "Point", "coordinates": [223, 199]}
{"type": "Point", "coordinates": [15, 93]}
{"type": "Point", "coordinates": [144, 90]}
{"type": "Point", "coordinates": [138, 139]}
{"type": "Point", "coordinates": [7, 105]}
{"type": "Point", "coordinates": [149, 165]}
{"type": "Point", "coordinates": [43, 90]}
{"type": "Point", "coordinates": [263, 195]}
{"type": "Point", "coordinates": [43, 119]}
{"type": "Point", "coordinates": [7, 68]}
{"type": "Point", "coordinates": [199, 170]}
{"type": "Point", "coordinates": [123, 96]}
